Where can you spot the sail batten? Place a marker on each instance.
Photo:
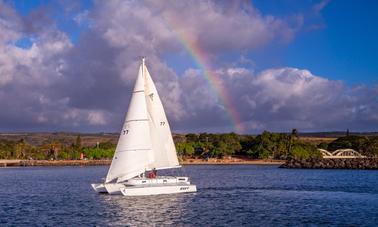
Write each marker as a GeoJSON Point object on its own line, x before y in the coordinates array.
{"type": "Point", "coordinates": [137, 120]}
{"type": "Point", "coordinates": [135, 150]}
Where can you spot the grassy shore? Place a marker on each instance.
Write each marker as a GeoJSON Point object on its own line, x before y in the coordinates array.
{"type": "Point", "coordinates": [8, 163]}
{"type": "Point", "coordinates": [230, 161]}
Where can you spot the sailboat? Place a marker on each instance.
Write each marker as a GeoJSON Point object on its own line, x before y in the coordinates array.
{"type": "Point", "coordinates": [145, 145]}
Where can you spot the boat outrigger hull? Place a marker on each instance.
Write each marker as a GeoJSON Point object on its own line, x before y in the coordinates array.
{"type": "Point", "coordinates": [100, 188]}
{"type": "Point", "coordinates": [114, 188]}
{"type": "Point", "coordinates": [157, 190]}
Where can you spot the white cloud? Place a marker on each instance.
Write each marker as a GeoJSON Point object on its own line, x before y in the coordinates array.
{"type": "Point", "coordinates": [81, 17]}
{"type": "Point", "coordinates": [281, 99]}
{"type": "Point", "coordinates": [10, 24]}
{"type": "Point", "coordinates": [96, 118]}
{"type": "Point", "coordinates": [153, 26]}
{"type": "Point", "coordinates": [56, 84]}
{"type": "Point", "coordinates": [283, 85]}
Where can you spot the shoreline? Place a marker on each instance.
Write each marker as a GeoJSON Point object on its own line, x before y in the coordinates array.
{"type": "Point", "coordinates": [333, 163]}
{"type": "Point", "coordinates": [232, 161]}
{"type": "Point", "coordinates": [27, 163]}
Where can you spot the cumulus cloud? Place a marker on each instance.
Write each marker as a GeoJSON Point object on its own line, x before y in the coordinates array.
{"type": "Point", "coordinates": [281, 99]}
{"type": "Point", "coordinates": [29, 76]}
{"type": "Point", "coordinates": [85, 86]}
{"type": "Point", "coordinates": [152, 26]}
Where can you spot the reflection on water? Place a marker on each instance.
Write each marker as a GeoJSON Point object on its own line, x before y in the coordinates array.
{"type": "Point", "coordinates": [143, 210]}
{"type": "Point", "coordinates": [241, 195]}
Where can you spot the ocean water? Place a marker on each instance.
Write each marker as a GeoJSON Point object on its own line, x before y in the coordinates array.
{"type": "Point", "coordinates": [228, 195]}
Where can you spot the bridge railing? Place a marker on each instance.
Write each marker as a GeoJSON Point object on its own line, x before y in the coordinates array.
{"type": "Point", "coordinates": [341, 153]}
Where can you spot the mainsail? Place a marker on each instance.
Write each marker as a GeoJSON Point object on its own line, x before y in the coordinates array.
{"type": "Point", "coordinates": [133, 152]}
{"type": "Point", "coordinates": [145, 141]}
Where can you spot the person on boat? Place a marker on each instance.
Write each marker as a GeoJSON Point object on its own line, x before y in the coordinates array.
{"type": "Point", "coordinates": [155, 172]}
{"type": "Point", "coordinates": [152, 174]}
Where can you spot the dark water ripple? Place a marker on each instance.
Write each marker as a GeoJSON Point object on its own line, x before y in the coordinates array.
{"type": "Point", "coordinates": [227, 196]}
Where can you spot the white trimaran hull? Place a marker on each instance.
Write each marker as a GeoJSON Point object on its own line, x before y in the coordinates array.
{"type": "Point", "coordinates": [145, 144]}
{"type": "Point", "coordinates": [149, 188]}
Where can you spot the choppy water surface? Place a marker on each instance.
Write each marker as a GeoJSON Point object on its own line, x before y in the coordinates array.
{"type": "Point", "coordinates": [230, 195]}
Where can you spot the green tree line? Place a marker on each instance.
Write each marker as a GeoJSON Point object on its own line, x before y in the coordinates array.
{"type": "Point", "coordinates": [55, 150]}
{"type": "Point", "coordinates": [267, 145]}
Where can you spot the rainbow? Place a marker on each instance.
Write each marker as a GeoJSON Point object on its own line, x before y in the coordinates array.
{"type": "Point", "coordinates": [203, 62]}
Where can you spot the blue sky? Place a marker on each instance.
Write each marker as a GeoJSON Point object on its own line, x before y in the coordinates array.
{"type": "Point", "coordinates": [342, 46]}
{"type": "Point", "coordinates": [345, 47]}
{"type": "Point", "coordinates": [282, 63]}
{"type": "Point", "coordinates": [62, 17]}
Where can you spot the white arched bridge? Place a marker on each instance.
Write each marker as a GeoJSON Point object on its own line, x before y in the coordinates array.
{"type": "Point", "coordinates": [341, 153]}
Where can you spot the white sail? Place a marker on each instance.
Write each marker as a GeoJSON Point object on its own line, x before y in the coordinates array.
{"type": "Point", "coordinates": [145, 143]}
{"type": "Point", "coordinates": [133, 154]}
{"type": "Point", "coordinates": [161, 138]}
